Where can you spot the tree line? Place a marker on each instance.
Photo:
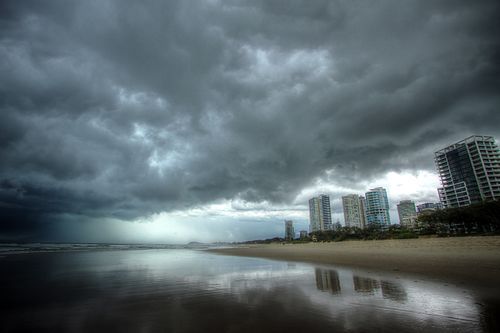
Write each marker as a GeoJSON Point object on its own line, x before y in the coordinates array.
{"type": "Point", "coordinates": [481, 218]}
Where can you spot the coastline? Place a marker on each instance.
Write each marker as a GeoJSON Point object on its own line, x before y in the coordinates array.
{"type": "Point", "coordinates": [465, 261]}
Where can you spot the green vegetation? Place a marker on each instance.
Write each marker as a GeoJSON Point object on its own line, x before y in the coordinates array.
{"type": "Point", "coordinates": [265, 241]}
{"type": "Point", "coordinates": [372, 232]}
{"type": "Point", "coordinates": [483, 218]}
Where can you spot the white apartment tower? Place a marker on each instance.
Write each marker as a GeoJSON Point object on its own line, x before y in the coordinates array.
{"type": "Point", "coordinates": [469, 171]}
{"type": "Point", "coordinates": [377, 207]}
{"type": "Point", "coordinates": [320, 213]}
{"type": "Point", "coordinates": [354, 210]}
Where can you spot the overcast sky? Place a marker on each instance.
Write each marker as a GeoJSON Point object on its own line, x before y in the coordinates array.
{"type": "Point", "coordinates": [176, 121]}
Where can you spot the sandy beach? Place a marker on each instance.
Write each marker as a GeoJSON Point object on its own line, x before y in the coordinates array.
{"type": "Point", "coordinates": [470, 261]}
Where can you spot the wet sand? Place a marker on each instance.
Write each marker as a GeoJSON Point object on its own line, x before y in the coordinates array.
{"type": "Point", "coordinates": [179, 290]}
{"type": "Point", "coordinates": [468, 261]}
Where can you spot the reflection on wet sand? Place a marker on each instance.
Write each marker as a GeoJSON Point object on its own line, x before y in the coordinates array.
{"type": "Point", "coordinates": [390, 290]}
{"type": "Point", "coordinates": [188, 291]}
{"type": "Point", "coordinates": [393, 291]}
{"type": "Point", "coordinates": [327, 280]}
{"type": "Point", "coordinates": [364, 284]}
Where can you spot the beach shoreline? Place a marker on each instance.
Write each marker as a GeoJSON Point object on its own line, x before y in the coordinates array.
{"type": "Point", "coordinates": [465, 261]}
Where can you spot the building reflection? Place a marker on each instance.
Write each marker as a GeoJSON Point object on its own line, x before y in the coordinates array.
{"type": "Point", "coordinates": [393, 291]}
{"type": "Point", "coordinates": [365, 285]}
{"type": "Point", "coordinates": [327, 280]}
{"type": "Point", "coordinates": [390, 290]}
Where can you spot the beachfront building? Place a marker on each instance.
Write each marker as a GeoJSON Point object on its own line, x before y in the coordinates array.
{"type": "Point", "coordinates": [320, 213]}
{"type": "Point", "coordinates": [469, 171]}
{"type": "Point", "coordinates": [428, 207]}
{"type": "Point", "coordinates": [377, 207]}
{"type": "Point", "coordinates": [303, 234]}
{"type": "Point", "coordinates": [407, 213]}
{"type": "Point", "coordinates": [354, 210]}
{"type": "Point", "coordinates": [289, 231]}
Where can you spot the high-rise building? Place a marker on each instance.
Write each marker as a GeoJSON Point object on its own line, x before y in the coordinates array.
{"type": "Point", "coordinates": [428, 207]}
{"type": "Point", "coordinates": [289, 231]}
{"type": "Point", "coordinates": [377, 207]}
{"type": "Point", "coordinates": [320, 213]}
{"type": "Point", "coordinates": [354, 210]}
{"type": "Point", "coordinates": [407, 213]}
{"type": "Point", "coordinates": [469, 171]}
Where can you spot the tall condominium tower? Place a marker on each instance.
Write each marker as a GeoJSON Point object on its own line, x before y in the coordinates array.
{"type": "Point", "coordinates": [428, 207]}
{"type": "Point", "coordinates": [354, 210]}
{"type": "Point", "coordinates": [377, 207]}
{"type": "Point", "coordinates": [407, 213]}
{"type": "Point", "coordinates": [289, 230]}
{"type": "Point", "coordinates": [469, 171]}
{"type": "Point", "coordinates": [320, 214]}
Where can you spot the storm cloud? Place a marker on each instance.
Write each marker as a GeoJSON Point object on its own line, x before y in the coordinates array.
{"type": "Point", "coordinates": [120, 110]}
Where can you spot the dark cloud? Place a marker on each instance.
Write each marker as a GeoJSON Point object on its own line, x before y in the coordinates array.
{"type": "Point", "coordinates": [113, 109]}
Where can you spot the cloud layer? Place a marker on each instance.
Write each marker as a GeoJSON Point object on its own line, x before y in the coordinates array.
{"type": "Point", "coordinates": [121, 110]}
